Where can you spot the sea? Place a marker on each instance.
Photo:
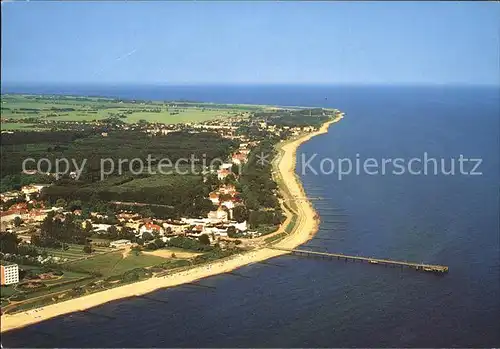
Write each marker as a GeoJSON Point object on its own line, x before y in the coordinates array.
{"type": "Point", "coordinates": [440, 218]}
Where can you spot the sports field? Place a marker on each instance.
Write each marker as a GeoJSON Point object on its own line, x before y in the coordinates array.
{"type": "Point", "coordinates": [117, 263]}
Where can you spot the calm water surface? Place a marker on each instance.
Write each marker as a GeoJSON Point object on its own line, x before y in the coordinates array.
{"type": "Point", "coordinates": [451, 220]}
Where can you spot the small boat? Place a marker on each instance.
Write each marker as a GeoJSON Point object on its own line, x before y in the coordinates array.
{"type": "Point", "coordinates": [373, 262]}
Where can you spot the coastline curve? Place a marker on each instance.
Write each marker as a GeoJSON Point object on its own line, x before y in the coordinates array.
{"type": "Point", "coordinates": [305, 227]}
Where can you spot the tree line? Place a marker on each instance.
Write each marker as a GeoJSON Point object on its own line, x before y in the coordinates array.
{"type": "Point", "coordinates": [258, 189]}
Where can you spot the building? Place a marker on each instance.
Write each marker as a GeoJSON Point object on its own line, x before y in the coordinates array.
{"type": "Point", "coordinates": [133, 225]}
{"type": "Point", "coordinates": [9, 216]}
{"type": "Point", "coordinates": [223, 173]}
{"type": "Point", "coordinates": [245, 152]}
{"type": "Point", "coordinates": [226, 166]}
{"type": "Point", "coordinates": [28, 190]}
{"type": "Point", "coordinates": [126, 217]}
{"type": "Point", "coordinates": [198, 230]}
{"type": "Point", "coordinates": [218, 216]}
{"type": "Point", "coordinates": [240, 226]}
{"type": "Point", "coordinates": [228, 189]}
{"type": "Point", "coordinates": [216, 231]}
{"type": "Point", "coordinates": [120, 243]}
{"type": "Point", "coordinates": [196, 221]}
{"type": "Point", "coordinates": [239, 158]}
{"type": "Point", "coordinates": [37, 215]}
{"type": "Point", "coordinates": [100, 228]}
{"type": "Point", "coordinates": [21, 207]}
{"type": "Point", "coordinates": [9, 195]}
{"type": "Point", "coordinates": [214, 197]}
{"type": "Point", "coordinates": [151, 228]}
{"type": "Point", "coordinates": [229, 204]}
{"type": "Point", "coordinates": [9, 273]}
{"type": "Point", "coordinates": [175, 228]}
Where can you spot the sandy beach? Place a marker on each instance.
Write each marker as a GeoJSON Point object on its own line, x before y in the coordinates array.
{"type": "Point", "coordinates": [306, 226]}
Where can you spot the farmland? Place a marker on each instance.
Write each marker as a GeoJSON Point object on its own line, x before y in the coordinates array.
{"type": "Point", "coordinates": [15, 126]}
{"type": "Point", "coordinates": [77, 109]}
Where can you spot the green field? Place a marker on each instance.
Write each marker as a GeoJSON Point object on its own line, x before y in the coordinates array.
{"type": "Point", "coordinates": [90, 109]}
{"type": "Point", "coordinates": [74, 251]}
{"type": "Point", "coordinates": [185, 115]}
{"type": "Point", "coordinates": [15, 126]}
{"type": "Point", "coordinates": [162, 181]}
{"type": "Point", "coordinates": [7, 291]}
{"type": "Point", "coordinates": [67, 281]}
{"type": "Point", "coordinates": [114, 263]}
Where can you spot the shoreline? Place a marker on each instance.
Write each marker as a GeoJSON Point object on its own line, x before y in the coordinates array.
{"type": "Point", "coordinates": [305, 227]}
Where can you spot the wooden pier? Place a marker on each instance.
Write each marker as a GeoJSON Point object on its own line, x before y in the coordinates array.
{"type": "Point", "coordinates": [386, 262]}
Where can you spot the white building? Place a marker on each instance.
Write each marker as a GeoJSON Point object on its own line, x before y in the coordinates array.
{"type": "Point", "coordinates": [240, 226]}
{"type": "Point", "coordinates": [226, 166]}
{"type": "Point", "coordinates": [218, 216]}
{"type": "Point", "coordinates": [37, 215]}
{"type": "Point", "coordinates": [151, 228]}
{"type": "Point", "coordinates": [228, 189]}
{"type": "Point", "coordinates": [217, 231]}
{"type": "Point", "coordinates": [9, 273]}
{"type": "Point", "coordinates": [9, 195]}
{"type": "Point", "coordinates": [120, 243]}
{"type": "Point", "coordinates": [223, 173]}
{"type": "Point", "coordinates": [228, 204]}
{"type": "Point", "coordinates": [196, 221]}
{"type": "Point", "coordinates": [214, 197]}
{"type": "Point", "coordinates": [239, 158]}
{"type": "Point", "coordinates": [176, 228]}
{"type": "Point", "coordinates": [100, 227]}
{"type": "Point", "coordinates": [8, 217]}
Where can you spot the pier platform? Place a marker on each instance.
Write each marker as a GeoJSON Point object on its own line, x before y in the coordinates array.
{"type": "Point", "coordinates": [387, 262]}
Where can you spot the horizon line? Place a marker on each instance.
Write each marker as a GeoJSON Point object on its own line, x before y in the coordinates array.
{"type": "Point", "coordinates": [181, 84]}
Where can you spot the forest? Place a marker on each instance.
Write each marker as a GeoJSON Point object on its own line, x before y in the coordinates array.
{"type": "Point", "coordinates": [116, 145]}
{"type": "Point", "coordinates": [258, 189]}
{"type": "Point", "coordinates": [179, 195]}
{"type": "Point", "coordinates": [296, 117]}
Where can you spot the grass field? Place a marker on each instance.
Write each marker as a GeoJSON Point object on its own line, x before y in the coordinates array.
{"type": "Point", "coordinates": [185, 115]}
{"type": "Point", "coordinates": [75, 109]}
{"type": "Point", "coordinates": [115, 264]}
{"type": "Point", "coordinates": [14, 126]}
{"type": "Point", "coordinates": [74, 252]}
{"type": "Point", "coordinates": [155, 181]}
{"type": "Point", "coordinates": [67, 281]}
{"type": "Point", "coordinates": [112, 266]}
{"type": "Point", "coordinates": [178, 252]}
{"type": "Point", "coordinates": [7, 291]}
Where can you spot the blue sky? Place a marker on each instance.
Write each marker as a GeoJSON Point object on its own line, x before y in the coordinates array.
{"type": "Point", "coordinates": [243, 42]}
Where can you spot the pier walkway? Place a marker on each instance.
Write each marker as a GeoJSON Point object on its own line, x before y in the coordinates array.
{"type": "Point", "coordinates": [387, 262]}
